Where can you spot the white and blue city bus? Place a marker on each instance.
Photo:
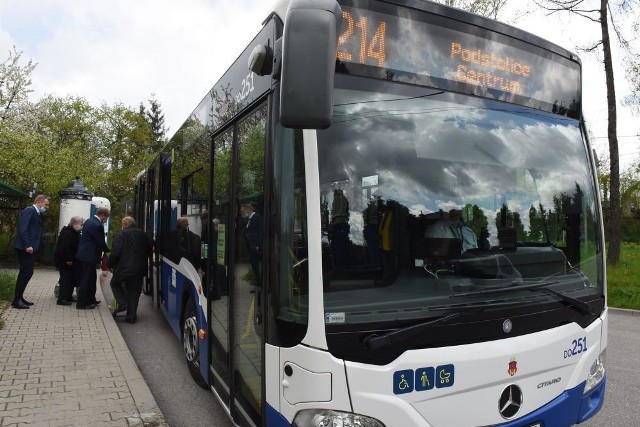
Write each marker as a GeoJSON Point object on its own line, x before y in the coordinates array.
{"type": "Point", "coordinates": [355, 129]}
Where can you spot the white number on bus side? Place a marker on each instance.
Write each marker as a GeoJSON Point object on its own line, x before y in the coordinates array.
{"type": "Point", "coordinates": [246, 87]}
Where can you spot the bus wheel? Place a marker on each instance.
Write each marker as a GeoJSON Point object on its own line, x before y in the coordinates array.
{"type": "Point", "coordinates": [191, 343]}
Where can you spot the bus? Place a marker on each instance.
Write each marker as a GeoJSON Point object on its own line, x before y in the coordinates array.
{"type": "Point", "coordinates": [385, 213]}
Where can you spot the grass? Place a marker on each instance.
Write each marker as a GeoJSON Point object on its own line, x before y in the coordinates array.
{"type": "Point", "coordinates": [622, 280]}
{"type": "Point", "coordinates": [7, 286]}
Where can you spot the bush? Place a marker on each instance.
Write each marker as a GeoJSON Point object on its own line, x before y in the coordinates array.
{"type": "Point", "coordinates": [6, 251]}
{"type": "Point", "coordinates": [630, 229]}
{"type": "Point", "coordinates": [623, 288]}
{"type": "Point", "coordinates": [7, 285]}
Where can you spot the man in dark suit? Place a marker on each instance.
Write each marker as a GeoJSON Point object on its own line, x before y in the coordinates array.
{"type": "Point", "coordinates": [128, 259]}
{"type": "Point", "coordinates": [92, 246]}
{"type": "Point", "coordinates": [26, 245]}
{"type": "Point", "coordinates": [253, 238]}
{"type": "Point", "coordinates": [184, 244]}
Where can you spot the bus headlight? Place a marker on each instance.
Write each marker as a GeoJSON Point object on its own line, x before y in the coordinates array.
{"type": "Point", "coordinates": [596, 373]}
{"type": "Point", "coordinates": [329, 418]}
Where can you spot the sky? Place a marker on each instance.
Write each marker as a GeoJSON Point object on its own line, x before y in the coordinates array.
{"type": "Point", "coordinates": [124, 51]}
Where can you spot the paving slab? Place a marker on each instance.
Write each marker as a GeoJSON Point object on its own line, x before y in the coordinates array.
{"type": "Point", "coordinates": [60, 366]}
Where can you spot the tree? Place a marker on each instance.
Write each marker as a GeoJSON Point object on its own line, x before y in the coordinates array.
{"type": "Point", "coordinates": [599, 12]}
{"type": "Point", "coordinates": [15, 80]}
{"type": "Point", "coordinates": [633, 75]}
{"type": "Point", "coordinates": [68, 142]}
{"type": "Point", "coordinates": [45, 148]}
{"type": "Point", "coordinates": [630, 190]}
{"type": "Point", "coordinates": [46, 144]}
{"type": "Point", "coordinates": [155, 118]}
{"type": "Point", "coordinates": [60, 132]}
{"type": "Point", "coordinates": [488, 8]}
{"type": "Point", "coordinates": [127, 147]}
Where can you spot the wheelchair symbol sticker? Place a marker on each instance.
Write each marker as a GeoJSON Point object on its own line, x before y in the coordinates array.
{"type": "Point", "coordinates": [403, 381]}
{"type": "Point", "coordinates": [445, 376]}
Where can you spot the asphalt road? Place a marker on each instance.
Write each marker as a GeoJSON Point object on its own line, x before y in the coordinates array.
{"type": "Point", "coordinates": [159, 356]}
{"type": "Point", "coordinates": [158, 353]}
{"type": "Point", "coordinates": [622, 399]}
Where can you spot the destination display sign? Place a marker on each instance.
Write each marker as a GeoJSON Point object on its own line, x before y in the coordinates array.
{"type": "Point", "coordinates": [439, 52]}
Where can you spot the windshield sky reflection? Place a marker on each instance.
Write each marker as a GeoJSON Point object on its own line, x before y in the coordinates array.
{"type": "Point", "coordinates": [432, 152]}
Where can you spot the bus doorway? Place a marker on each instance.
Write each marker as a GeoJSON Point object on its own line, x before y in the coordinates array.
{"type": "Point", "coordinates": [235, 256]}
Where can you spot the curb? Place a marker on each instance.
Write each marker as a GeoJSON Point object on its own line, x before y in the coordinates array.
{"type": "Point", "coordinates": [149, 414]}
{"type": "Point", "coordinates": [624, 311]}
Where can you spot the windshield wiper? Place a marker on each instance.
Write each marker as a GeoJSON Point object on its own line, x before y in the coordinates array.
{"type": "Point", "coordinates": [582, 306]}
{"type": "Point", "coordinates": [375, 341]}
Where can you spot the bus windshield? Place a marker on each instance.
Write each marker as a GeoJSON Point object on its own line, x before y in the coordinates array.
{"type": "Point", "coordinates": [432, 201]}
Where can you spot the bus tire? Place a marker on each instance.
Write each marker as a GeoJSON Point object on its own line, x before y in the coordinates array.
{"type": "Point", "coordinates": [191, 343]}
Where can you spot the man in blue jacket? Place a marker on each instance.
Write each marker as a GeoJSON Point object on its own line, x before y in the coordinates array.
{"type": "Point", "coordinates": [26, 245]}
{"type": "Point", "coordinates": [92, 246]}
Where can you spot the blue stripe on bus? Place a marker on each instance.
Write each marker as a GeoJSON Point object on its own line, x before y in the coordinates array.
{"type": "Point", "coordinates": [275, 418]}
{"type": "Point", "coordinates": [570, 408]}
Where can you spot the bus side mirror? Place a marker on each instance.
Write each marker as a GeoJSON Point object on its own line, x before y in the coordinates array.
{"type": "Point", "coordinates": [308, 63]}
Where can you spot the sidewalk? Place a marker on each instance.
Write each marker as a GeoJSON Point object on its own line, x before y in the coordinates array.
{"type": "Point", "coordinates": [65, 367]}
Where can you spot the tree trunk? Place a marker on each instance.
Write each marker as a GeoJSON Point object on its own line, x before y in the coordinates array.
{"type": "Point", "coordinates": [613, 254]}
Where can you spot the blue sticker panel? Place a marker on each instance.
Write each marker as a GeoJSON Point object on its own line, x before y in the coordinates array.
{"type": "Point", "coordinates": [425, 378]}
{"type": "Point", "coordinates": [445, 376]}
{"type": "Point", "coordinates": [403, 381]}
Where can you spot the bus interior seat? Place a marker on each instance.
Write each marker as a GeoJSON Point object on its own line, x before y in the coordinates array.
{"type": "Point", "coordinates": [507, 238]}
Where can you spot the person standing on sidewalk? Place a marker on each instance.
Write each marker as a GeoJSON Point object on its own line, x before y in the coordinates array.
{"type": "Point", "coordinates": [26, 245]}
{"type": "Point", "coordinates": [64, 257]}
{"type": "Point", "coordinates": [128, 259]}
{"type": "Point", "coordinates": [90, 250]}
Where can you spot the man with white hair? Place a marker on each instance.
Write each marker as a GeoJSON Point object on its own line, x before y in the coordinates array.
{"type": "Point", "coordinates": [64, 257]}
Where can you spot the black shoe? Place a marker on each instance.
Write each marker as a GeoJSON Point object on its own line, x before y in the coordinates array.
{"type": "Point", "coordinates": [96, 302]}
{"type": "Point", "coordinates": [73, 300]}
{"type": "Point", "coordinates": [131, 321]}
{"type": "Point", "coordinates": [25, 302]}
{"type": "Point", "coordinates": [86, 307]}
{"type": "Point", "coordinates": [119, 310]}
{"type": "Point", "coordinates": [19, 305]}
{"type": "Point", "coordinates": [64, 303]}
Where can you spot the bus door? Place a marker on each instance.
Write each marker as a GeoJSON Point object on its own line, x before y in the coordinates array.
{"type": "Point", "coordinates": [162, 215]}
{"type": "Point", "coordinates": [144, 218]}
{"type": "Point", "coordinates": [235, 318]}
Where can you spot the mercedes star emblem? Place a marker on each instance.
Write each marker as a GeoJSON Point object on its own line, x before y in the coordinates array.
{"type": "Point", "coordinates": [510, 401]}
